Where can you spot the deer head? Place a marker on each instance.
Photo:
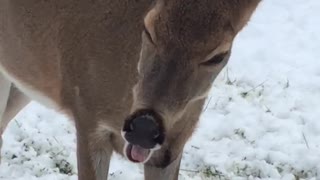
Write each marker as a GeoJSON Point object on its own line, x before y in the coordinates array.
{"type": "Point", "coordinates": [185, 45]}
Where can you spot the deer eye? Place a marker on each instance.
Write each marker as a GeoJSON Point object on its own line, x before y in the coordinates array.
{"type": "Point", "coordinates": [215, 60]}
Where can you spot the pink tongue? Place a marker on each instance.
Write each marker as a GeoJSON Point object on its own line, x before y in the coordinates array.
{"type": "Point", "coordinates": [139, 154]}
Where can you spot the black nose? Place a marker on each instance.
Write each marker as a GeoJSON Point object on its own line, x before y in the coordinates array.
{"type": "Point", "coordinates": [144, 130]}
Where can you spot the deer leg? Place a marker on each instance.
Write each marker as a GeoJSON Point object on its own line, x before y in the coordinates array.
{"type": "Point", "coordinates": [101, 159]}
{"type": "Point", "coordinates": [16, 100]}
{"type": "Point", "coordinates": [94, 148]}
{"type": "Point", "coordinates": [101, 152]}
{"type": "Point", "coordinates": [5, 86]}
{"type": "Point", "coordinates": [170, 172]}
{"type": "Point", "coordinates": [85, 165]}
{"type": "Point", "coordinates": [4, 96]}
{"type": "Point", "coordinates": [94, 154]}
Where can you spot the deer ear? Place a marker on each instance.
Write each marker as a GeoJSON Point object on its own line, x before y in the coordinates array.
{"type": "Point", "coordinates": [243, 13]}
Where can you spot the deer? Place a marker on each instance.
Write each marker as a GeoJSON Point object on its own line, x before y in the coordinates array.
{"type": "Point", "coordinates": [132, 75]}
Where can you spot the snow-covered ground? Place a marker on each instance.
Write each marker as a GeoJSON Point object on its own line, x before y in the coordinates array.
{"type": "Point", "coordinates": [261, 122]}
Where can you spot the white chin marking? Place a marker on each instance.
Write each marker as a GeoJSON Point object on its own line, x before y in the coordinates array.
{"type": "Point", "coordinates": [157, 147]}
{"type": "Point", "coordinates": [149, 156]}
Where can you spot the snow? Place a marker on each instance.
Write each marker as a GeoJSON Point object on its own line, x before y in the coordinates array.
{"type": "Point", "coordinates": [261, 120]}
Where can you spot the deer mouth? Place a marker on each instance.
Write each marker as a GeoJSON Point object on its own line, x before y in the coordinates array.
{"type": "Point", "coordinates": [137, 154]}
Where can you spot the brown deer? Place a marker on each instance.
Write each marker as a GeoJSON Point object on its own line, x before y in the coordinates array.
{"type": "Point", "coordinates": [140, 98]}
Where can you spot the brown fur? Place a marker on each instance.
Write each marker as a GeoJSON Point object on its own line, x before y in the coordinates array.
{"type": "Point", "coordinates": [81, 57]}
